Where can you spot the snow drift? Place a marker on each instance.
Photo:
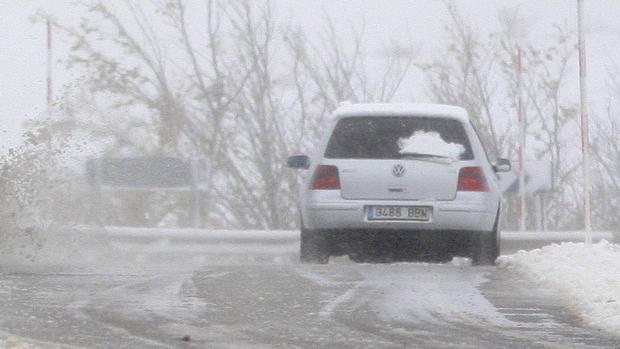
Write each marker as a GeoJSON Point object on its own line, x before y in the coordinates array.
{"type": "Point", "coordinates": [587, 277]}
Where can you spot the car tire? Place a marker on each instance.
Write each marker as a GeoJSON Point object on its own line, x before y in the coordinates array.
{"type": "Point", "coordinates": [485, 246]}
{"type": "Point", "coordinates": [312, 247]}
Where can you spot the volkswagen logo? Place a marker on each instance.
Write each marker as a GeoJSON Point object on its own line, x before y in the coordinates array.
{"type": "Point", "coordinates": [398, 170]}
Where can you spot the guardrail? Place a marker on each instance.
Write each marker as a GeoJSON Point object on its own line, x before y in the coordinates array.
{"type": "Point", "coordinates": [514, 241]}
{"type": "Point", "coordinates": [195, 241]}
{"type": "Point", "coordinates": [123, 246]}
{"type": "Point", "coordinates": [572, 236]}
{"type": "Point", "coordinates": [207, 242]}
{"type": "Point", "coordinates": [235, 246]}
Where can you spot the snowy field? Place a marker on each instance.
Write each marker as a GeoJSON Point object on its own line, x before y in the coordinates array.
{"type": "Point", "coordinates": [586, 277]}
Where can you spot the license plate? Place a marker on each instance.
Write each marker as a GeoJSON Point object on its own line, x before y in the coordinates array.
{"type": "Point", "coordinates": [399, 213]}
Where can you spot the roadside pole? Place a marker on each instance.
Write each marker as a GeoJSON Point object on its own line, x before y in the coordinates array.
{"type": "Point", "coordinates": [522, 203]}
{"type": "Point", "coordinates": [49, 63]}
{"type": "Point", "coordinates": [585, 136]}
{"type": "Point", "coordinates": [50, 96]}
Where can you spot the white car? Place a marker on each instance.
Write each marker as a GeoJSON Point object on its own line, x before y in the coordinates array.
{"type": "Point", "coordinates": [399, 181]}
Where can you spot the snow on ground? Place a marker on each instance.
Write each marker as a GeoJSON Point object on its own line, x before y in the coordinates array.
{"type": "Point", "coordinates": [430, 143]}
{"type": "Point", "coordinates": [587, 277]}
{"type": "Point", "coordinates": [13, 342]}
{"type": "Point", "coordinates": [432, 294]}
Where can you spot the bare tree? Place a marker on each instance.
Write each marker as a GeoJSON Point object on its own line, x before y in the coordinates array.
{"type": "Point", "coordinates": [463, 75]}
{"type": "Point", "coordinates": [329, 69]}
{"type": "Point", "coordinates": [553, 121]}
{"type": "Point", "coordinates": [243, 92]}
{"type": "Point", "coordinates": [483, 76]}
{"type": "Point", "coordinates": [606, 155]}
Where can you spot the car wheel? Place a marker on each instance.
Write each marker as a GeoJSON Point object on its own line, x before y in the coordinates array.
{"type": "Point", "coordinates": [485, 246]}
{"type": "Point", "coordinates": [312, 248]}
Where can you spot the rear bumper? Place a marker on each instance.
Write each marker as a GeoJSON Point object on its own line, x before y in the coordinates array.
{"type": "Point", "coordinates": [453, 215]}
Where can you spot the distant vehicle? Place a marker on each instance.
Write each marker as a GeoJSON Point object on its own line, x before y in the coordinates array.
{"type": "Point", "coordinates": [403, 178]}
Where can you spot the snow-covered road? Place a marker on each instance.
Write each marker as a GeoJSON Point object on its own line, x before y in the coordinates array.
{"type": "Point", "coordinates": [287, 305]}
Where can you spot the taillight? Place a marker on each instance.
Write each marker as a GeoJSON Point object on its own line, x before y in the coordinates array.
{"type": "Point", "coordinates": [472, 179]}
{"type": "Point", "coordinates": [326, 178]}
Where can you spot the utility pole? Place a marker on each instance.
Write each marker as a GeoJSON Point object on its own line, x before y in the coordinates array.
{"type": "Point", "coordinates": [522, 203]}
{"type": "Point", "coordinates": [50, 97]}
{"type": "Point", "coordinates": [49, 64]}
{"type": "Point", "coordinates": [585, 134]}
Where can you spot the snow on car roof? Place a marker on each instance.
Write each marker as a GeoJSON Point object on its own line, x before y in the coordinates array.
{"type": "Point", "coordinates": [401, 109]}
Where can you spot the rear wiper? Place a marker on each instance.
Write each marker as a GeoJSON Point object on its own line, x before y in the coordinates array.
{"type": "Point", "coordinates": [428, 157]}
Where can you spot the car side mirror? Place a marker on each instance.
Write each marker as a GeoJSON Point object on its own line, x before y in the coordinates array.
{"type": "Point", "coordinates": [298, 162]}
{"type": "Point", "coordinates": [502, 165]}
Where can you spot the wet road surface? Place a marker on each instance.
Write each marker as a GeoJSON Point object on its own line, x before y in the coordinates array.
{"type": "Point", "coordinates": [287, 305]}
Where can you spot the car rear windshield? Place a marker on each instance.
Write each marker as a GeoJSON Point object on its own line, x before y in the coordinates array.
{"type": "Point", "coordinates": [379, 137]}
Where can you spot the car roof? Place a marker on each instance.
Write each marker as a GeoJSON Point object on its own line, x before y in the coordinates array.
{"type": "Point", "coordinates": [401, 109]}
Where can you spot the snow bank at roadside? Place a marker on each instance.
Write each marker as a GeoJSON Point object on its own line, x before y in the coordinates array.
{"type": "Point", "coordinates": [587, 277]}
{"type": "Point", "coordinates": [430, 143]}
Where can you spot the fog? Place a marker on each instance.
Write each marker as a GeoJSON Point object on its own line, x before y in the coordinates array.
{"type": "Point", "coordinates": [24, 61]}
{"type": "Point", "coordinates": [154, 201]}
{"type": "Point", "coordinates": [162, 95]}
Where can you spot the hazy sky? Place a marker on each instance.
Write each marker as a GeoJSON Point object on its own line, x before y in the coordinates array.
{"type": "Point", "coordinates": [23, 55]}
